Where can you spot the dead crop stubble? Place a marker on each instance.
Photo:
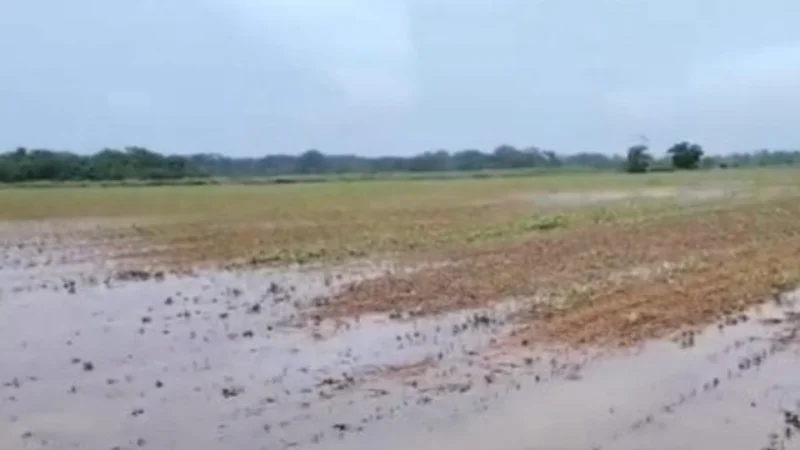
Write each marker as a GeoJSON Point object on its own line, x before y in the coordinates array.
{"type": "Point", "coordinates": [720, 262]}
{"type": "Point", "coordinates": [726, 285]}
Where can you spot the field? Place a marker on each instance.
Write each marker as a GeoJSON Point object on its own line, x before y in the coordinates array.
{"type": "Point", "coordinates": [590, 310]}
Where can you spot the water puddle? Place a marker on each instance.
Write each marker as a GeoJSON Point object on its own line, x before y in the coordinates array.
{"type": "Point", "coordinates": [730, 386]}
{"type": "Point", "coordinates": [237, 360]}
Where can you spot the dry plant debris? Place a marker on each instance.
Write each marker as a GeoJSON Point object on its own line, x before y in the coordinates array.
{"type": "Point", "coordinates": [692, 269]}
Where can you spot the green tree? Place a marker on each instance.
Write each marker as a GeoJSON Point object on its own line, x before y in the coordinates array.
{"type": "Point", "coordinates": [469, 160]}
{"type": "Point", "coordinates": [109, 164]}
{"type": "Point", "coordinates": [685, 155]}
{"type": "Point", "coordinates": [638, 160]}
{"type": "Point", "coordinates": [312, 161]}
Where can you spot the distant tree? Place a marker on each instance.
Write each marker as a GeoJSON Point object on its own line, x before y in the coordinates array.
{"type": "Point", "coordinates": [552, 159]}
{"type": "Point", "coordinates": [469, 160]}
{"type": "Point", "coordinates": [312, 161]}
{"type": "Point", "coordinates": [437, 161]}
{"type": "Point", "coordinates": [685, 155]}
{"type": "Point", "coordinates": [638, 160]}
{"type": "Point", "coordinates": [508, 157]}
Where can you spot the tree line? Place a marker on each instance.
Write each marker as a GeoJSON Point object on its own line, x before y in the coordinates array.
{"type": "Point", "coordinates": [314, 162]}
{"type": "Point", "coordinates": [131, 163]}
{"type": "Point", "coordinates": [138, 163]}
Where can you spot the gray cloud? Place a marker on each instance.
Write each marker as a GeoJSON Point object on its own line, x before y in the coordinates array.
{"type": "Point", "coordinates": [741, 100]}
{"type": "Point", "coordinates": [397, 76]}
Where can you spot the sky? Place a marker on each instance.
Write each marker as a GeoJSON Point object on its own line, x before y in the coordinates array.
{"type": "Point", "coordinates": [378, 77]}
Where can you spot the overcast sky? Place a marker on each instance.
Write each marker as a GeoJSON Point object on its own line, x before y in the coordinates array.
{"type": "Point", "coordinates": [250, 77]}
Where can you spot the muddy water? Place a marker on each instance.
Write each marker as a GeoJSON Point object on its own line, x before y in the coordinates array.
{"type": "Point", "coordinates": [728, 387]}
{"type": "Point", "coordinates": [217, 360]}
{"type": "Point", "coordinates": [238, 360]}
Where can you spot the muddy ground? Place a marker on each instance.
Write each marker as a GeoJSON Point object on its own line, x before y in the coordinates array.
{"type": "Point", "coordinates": [95, 358]}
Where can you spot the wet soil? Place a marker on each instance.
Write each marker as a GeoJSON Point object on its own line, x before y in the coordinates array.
{"type": "Point", "coordinates": [686, 195]}
{"type": "Point", "coordinates": [93, 360]}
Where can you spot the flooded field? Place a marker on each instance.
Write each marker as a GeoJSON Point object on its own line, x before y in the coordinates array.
{"type": "Point", "coordinates": [642, 324]}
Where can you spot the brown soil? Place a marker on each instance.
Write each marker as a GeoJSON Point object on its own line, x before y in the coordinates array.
{"type": "Point", "coordinates": [724, 285]}
{"type": "Point", "coordinates": [573, 264]}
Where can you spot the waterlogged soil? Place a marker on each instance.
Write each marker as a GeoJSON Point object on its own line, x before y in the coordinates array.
{"type": "Point", "coordinates": [102, 360]}
{"type": "Point", "coordinates": [213, 360]}
{"type": "Point", "coordinates": [683, 195]}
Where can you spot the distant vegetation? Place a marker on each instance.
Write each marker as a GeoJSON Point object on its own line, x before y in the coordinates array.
{"type": "Point", "coordinates": [132, 163]}
{"type": "Point", "coordinates": [688, 156]}
{"type": "Point", "coordinates": [137, 163]}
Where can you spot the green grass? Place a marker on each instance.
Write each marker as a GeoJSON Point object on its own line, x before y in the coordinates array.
{"type": "Point", "coordinates": [307, 200]}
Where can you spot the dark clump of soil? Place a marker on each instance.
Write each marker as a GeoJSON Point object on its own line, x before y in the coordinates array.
{"type": "Point", "coordinates": [137, 275]}
{"type": "Point", "coordinates": [232, 391]}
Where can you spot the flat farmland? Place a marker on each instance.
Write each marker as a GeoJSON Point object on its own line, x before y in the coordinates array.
{"type": "Point", "coordinates": [566, 311]}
